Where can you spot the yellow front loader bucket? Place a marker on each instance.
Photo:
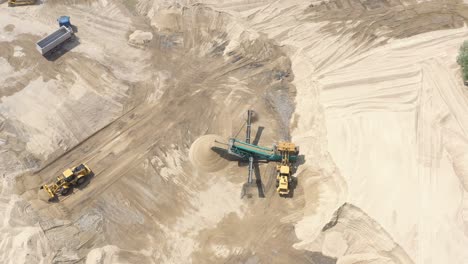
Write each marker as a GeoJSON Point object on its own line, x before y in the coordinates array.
{"type": "Point", "coordinates": [48, 190]}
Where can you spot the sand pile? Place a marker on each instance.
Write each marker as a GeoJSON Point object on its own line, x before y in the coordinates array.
{"type": "Point", "coordinates": [140, 38]}
{"type": "Point", "coordinates": [353, 237]}
{"type": "Point", "coordinates": [203, 153]}
{"type": "Point", "coordinates": [375, 102]}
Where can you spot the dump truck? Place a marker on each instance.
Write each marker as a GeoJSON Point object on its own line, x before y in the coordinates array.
{"type": "Point", "coordinates": [21, 2]}
{"type": "Point", "coordinates": [64, 33]}
{"type": "Point", "coordinates": [69, 179]}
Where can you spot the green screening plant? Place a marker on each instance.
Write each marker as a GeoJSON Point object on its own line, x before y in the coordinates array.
{"type": "Point", "coordinates": [463, 61]}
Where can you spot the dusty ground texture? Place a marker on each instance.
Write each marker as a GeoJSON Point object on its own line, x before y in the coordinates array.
{"type": "Point", "coordinates": [370, 90]}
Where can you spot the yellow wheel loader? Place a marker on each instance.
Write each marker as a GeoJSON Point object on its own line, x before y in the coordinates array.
{"type": "Point", "coordinates": [69, 179]}
{"type": "Point", "coordinates": [21, 2]}
{"type": "Point", "coordinates": [283, 180]}
{"type": "Point", "coordinates": [283, 176]}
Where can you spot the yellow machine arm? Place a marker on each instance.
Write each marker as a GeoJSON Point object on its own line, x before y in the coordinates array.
{"type": "Point", "coordinates": [51, 191]}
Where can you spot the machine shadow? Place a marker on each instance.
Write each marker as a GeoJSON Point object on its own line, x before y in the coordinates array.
{"type": "Point", "coordinates": [74, 28]}
{"type": "Point", "coordinates": [258, 181]}
{"type": "Point", "coordinates": [295, 180]}
{"type": "Point", "coordinates": [54, 200]}
{"type": "Point", "coordinates": [223, 153]}
{"type": "Point", "coordinates": [294, 183]}
{"type": "Point", "coordinates": [62, 49]}
{"type": "Point", "coordinates": [258, 135]}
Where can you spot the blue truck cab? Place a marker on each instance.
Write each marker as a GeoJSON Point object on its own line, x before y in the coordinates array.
{"type": "Point", "coordinates": [64, 21]}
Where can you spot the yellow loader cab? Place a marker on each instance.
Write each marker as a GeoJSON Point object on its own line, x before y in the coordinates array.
{"type": "Point", "coordinates": [283, 180]}
{"type": "Point", "coordinates": [69, 179]}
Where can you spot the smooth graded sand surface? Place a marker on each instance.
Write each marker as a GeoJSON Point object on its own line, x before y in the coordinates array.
{"type": "Point", "coordinates": [369, 90]}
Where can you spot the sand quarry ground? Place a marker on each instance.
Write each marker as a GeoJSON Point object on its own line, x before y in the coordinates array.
{"type": "Point", "coordinates": [369, 90]}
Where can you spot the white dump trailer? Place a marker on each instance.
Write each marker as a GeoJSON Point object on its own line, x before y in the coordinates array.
{"type": "Point", "coordinates": [53, 40]}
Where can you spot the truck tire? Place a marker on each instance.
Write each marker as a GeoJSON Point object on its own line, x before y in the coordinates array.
{"type": "Point", "coordinates": [65, 191]}
{"type": "Point", "coordinates": [81, 180]}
